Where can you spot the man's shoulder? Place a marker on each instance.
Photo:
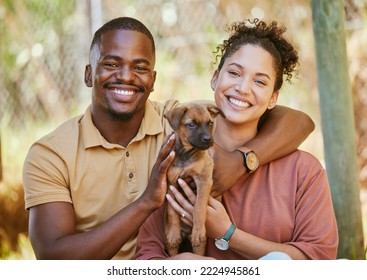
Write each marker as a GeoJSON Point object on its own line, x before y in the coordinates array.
{"type": "Point", "coordinates": [63, 135]}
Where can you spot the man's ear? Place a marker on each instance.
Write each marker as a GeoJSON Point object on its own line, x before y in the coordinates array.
{"type": "Point", "coordinates": [214, 80]}
{"type": "Point", "coordinates": [88, 76]}
{"type": "Point", "coordinates": [154, 77]}
{"type": "Point", "coordinates": [273, 100]}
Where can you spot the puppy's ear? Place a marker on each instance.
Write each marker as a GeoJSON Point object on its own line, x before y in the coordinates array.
{"type": "Point", "coordinates": [174, 116]}
{"type": "Point", "coordinates": [214, 110]}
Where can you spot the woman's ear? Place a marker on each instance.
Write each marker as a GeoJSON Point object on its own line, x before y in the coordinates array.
{"type": "Point", "coordinates": [214, 80]}
{"type": "Point", "coordinates": [88, 76]}
{"type": "Point", "coordinates": [273, 100]}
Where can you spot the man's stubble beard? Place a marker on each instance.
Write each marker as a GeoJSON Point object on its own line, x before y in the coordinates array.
{"type": "Point", "coordinates": [118, 116]}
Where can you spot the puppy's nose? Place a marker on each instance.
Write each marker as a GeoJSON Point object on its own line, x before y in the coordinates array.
{"type": "Point", "coordinates": [206, 138]}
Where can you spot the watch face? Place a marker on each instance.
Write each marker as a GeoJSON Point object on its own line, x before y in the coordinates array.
{"type": "Point", "coordinates": [252, 161]}
{"type": "Point", "coordinates": [221, 244]}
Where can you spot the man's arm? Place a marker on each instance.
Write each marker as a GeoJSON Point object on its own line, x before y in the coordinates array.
{"type": "Point", "coordinates": [281, 132]}
{"type": "Point", "coordinates": [52, 225]}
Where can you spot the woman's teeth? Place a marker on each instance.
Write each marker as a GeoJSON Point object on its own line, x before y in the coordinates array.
{"type": "Point", "coordinates": [239, 103]}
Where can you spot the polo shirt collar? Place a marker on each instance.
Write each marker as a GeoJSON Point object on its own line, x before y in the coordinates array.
{"type": "Point", "coordinates": [151, 125]}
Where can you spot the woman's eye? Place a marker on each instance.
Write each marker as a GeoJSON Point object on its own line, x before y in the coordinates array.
{"type": "Point", "coordinates": [260, 82]}
{"type": "Point", "coordinates": [234, 73]}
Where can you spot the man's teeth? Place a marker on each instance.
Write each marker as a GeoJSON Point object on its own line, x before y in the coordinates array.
{"type": "Point", "coordinates": [239, 103]}
{"type": "Point", "coordinates": [123, 92]}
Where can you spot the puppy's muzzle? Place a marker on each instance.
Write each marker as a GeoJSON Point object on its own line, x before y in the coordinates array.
{"type": "Point", "coordinates": [203, 142]}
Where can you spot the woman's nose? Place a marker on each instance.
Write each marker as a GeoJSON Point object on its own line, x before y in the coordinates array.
{"type": "Point", "coordinates": [244, 86]}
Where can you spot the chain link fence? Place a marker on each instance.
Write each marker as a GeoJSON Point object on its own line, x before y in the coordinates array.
{"type": "Point", "coordinates": [44, 47]}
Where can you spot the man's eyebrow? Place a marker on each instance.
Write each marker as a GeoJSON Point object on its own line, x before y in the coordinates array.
{"type": "Point", "coordinates": [257, 73]}
{"type": "Point", "coordinates": [142, 60]}
{"type": "Point", "coordinates": [115, 57]}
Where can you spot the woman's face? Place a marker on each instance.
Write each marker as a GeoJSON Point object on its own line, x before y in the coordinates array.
{"type": "Point", "coordinates": [244, 87]}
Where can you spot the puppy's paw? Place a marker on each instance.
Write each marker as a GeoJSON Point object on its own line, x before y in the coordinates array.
{"type": "Point", "coordinates": [173, 241]}
{"type": "Point", "coordinates": [198, 241]}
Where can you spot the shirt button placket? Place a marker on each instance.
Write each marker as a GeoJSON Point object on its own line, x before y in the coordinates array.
{"type": "Point", "coordinates": [130, 170]}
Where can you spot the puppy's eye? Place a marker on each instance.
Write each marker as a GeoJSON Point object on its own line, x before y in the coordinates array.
{"type": "Point", "coordinates": [210, 123]}
{"type": "Point", "coordinates": [192, 124]}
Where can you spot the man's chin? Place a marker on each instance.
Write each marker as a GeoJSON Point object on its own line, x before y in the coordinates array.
{"type": "Point", "coordinates": [120, 116]}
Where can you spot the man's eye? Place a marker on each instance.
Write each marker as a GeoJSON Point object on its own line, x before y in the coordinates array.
{"type": "Point", "coordinates": [110, 64]}
{"type": "Point", "coordinates": [141, 69]}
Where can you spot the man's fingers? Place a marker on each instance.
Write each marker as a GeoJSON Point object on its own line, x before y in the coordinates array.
{"type": "Point", "coordinates": [167, 162]}
{"type": "Point", "coordinates": [166, 148]}
{"type": "Point", "coordinates": [165, 156]}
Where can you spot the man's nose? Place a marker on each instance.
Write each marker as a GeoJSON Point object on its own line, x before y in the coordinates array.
{"type": "Point", "coordinates": [125, 74]}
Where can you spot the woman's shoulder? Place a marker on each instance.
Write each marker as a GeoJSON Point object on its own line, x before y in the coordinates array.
{"type": "Point", "coordinates": [300, 159]}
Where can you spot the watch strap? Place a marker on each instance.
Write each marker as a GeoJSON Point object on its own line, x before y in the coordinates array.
{"type": "Point", "coordinates": [229, 232]}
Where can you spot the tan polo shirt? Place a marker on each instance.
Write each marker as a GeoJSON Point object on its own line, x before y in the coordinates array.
{"type": "Point", "coordinates": [75, 164]}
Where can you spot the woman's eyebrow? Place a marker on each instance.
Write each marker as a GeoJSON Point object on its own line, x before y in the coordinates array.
{"type": "Point", "coordinates": [257, 73]}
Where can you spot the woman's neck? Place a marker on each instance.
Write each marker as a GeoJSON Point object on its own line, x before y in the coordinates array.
{"type": "Point", "coordinates": [231, 136]}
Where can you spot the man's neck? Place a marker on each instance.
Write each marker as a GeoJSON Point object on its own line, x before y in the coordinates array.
{"type": "Point", "coordinates": [117, 131]}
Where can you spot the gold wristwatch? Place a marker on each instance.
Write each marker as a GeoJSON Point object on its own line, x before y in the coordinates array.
{"type": "Point", "coordinates": [250, 160]}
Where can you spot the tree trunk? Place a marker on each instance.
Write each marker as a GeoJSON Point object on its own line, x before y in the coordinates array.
{"type": "Point", "coordinates": [336, 105]}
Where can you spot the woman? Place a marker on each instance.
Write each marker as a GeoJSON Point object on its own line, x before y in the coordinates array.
{"type": "Point", "coordinates": [285, 206]}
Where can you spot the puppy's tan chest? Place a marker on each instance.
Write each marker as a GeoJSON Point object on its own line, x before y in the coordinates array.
{"type": "Point", "coordinates": [190, 168]}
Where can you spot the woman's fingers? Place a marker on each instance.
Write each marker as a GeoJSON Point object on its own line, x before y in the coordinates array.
{"type": "Point", "coordinates": [181, 205]}
{"type": "Point", "coordinates": [187, 190]}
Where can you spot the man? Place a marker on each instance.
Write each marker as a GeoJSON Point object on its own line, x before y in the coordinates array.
{"type": "Point", "coordinates": [92, 182]}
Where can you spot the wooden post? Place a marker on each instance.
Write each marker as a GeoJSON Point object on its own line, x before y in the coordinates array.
{"type": "Point", "coordinates": [338, 128]}
{"type": "Point", "coordinates": [1, 165]}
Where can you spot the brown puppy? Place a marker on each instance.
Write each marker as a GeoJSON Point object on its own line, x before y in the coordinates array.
{"type": "Point", "coordinates": [193, 126]}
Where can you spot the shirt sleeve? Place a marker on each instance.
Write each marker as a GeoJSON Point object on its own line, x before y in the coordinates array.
{"type": "Point", "coordinates": [150, 241]}
{"type": "Point", "coordinates": [44, 175]}
{"type": "Point", "coordinates": [315, 231]}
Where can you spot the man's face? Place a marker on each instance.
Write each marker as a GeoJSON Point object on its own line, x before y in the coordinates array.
{"type": "Point", "coordinates": [122, 74]}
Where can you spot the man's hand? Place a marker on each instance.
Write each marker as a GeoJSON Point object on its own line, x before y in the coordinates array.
{"type": "Point", "coordinates": [228, 167]}
{"type": "Point", "coordinates": [157, 185]}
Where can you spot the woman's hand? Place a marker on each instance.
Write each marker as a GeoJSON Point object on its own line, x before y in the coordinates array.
{"type": "Point", "coordinates": [217, 220]}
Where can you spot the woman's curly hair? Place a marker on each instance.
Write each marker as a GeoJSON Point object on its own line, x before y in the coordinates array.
{"type": "Point", "coordinates": [267, 36]}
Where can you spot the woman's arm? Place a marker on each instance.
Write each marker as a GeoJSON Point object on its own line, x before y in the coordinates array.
{"type": "Point", "coordinates": [245, 244]}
